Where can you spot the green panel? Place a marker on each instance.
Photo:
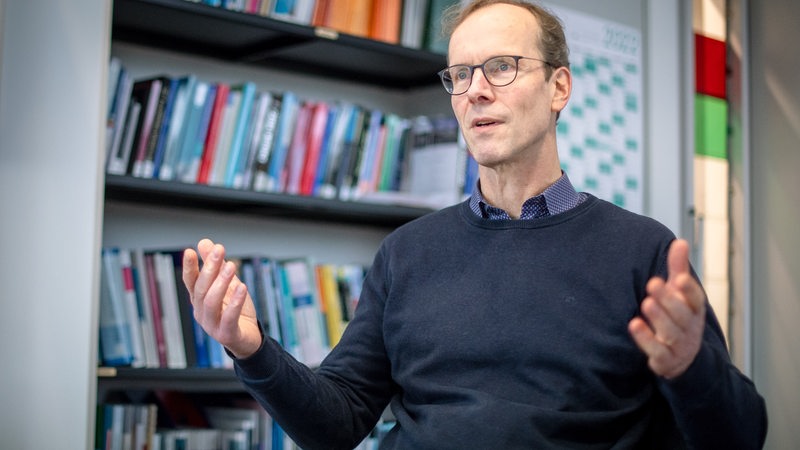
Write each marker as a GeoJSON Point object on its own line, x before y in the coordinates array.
{"type": "Point", "coordinates": [710, 127]}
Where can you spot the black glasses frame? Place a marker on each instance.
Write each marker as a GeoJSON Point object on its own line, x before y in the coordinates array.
{"type": "Point", "coordinates": [447, 82]}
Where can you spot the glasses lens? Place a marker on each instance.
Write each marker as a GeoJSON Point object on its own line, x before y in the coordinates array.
{"type": "Point", "coordinates": [501, 70]}
{"type": "Point", "coordinates": [456, 79]}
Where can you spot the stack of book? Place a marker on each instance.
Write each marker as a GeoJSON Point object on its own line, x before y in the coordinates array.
{"type": "Point", "coordinates": [146, 317]}
{"type": "Point", "coordinates": [237, 136]}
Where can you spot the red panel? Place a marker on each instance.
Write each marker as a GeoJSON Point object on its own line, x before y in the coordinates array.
{"type": "Point", "coordinates": [710, 66]}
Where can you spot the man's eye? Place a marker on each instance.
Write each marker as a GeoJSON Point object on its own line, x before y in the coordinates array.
{"type": "Point", "coordinates": [461, 74]}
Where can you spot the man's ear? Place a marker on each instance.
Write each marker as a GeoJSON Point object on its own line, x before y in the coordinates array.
{"type": "Point", "coordinates": [562, 78]}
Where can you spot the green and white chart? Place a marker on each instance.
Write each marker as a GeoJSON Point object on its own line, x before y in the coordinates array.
{"type": "Point", "coordinates": [600, 133]}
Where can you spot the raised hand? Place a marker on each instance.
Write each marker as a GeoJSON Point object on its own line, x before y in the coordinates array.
{"type": "Point", "coordinates": [222, 305]}
{"type": "Point", "coordinates": [670, 330]}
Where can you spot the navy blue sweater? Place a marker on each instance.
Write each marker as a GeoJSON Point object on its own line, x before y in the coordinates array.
{"type": "Point", "coordinates": [510, 334]}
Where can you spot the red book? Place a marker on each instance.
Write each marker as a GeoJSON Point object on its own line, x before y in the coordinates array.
{"type": "Point", "coordinates": [212, 137]}
{"type": "Point", "coordinates": [155, 304]}
{"type": "Point", "coordinates": [316, 135]}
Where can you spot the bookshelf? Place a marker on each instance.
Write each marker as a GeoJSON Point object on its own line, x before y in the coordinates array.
{"type": "Point", "coordinates": [177, 36]}
{"type": "Point", "coordinates": [247, 38]}
{"type": "Point", "coordinates": [128, 189]}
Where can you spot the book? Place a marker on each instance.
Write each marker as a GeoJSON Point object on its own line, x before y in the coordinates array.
{"type": "Point", "coordinates": [212, 136]}
{"type": "Point", "coordinates": [146, 311]}
{"type": "Point", "coordinates": [413, 22]}
{"type": "Point", "coordinates": [350, 16]}
{"type": "Point", "coordinates": [194, 135]}
{"type": "Point", "coordinates": [370, 154]}
{"type": "Point", "coordinates": [385, 21]}
{"type": "Point", "coordinates": [147, 161]}
{"type": "Point", "coordinates": [116, 158]}
{"type": "Point", "coordinates": [162, 123]}
{"type": "Point", "coordinates": [146, 92]}
{"type": "Point", "coordinates": [266, 141]}
{"type": "Point", "coordinates": [393, 154]}
{"type": "Point", "coordinates": [434, 39]}
{"type": "Point", "coordinates": [134, 311]}
{"type": "Point", "coordinates": [305, 310]}
{"type": "Point", "coordinates": [332, 162]}
{"type": "Point", "coordinates": [242, 125]}
{"type": "Point", "coordinates": [346, 175]}
{"type": "Point", "coordinates": [331, 302]}
{"type": "Point", "coordinates": [268, 296]}
{"type": "Point", "coordinates": [434, 172]}
{"type": "Point", "coordinates": [114, 329]}
{"type": "Point", "coordinates": [243, 177]}
{"type": "Point", "coordinates": [179, 120]}
{"type": "Point", "coordinates": [216, 176]}
{"type": "Point", "coordinates": [326, 149]}
{"type": "Point", "coordinates": [297, 11]}
{"type": "Point", "coordinates": [155, 305]}
{"type": "Point", "coordinates": [290, 106]}
{"type": "Point", "coordinates": [188, 325]}
{"type": "Point", "coordinates": [290, 179]}
{"type": "Point", "coordinates": [171, 319]}
{"type": "Point", "coordinates": [315, 138]}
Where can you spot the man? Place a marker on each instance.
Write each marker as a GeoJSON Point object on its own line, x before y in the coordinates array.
{"type": "Point", "coordinates": [529, 316]}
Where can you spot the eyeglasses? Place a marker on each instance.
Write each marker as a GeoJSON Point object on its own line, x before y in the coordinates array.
{"type": "Point", "coordinates": [498, 70]}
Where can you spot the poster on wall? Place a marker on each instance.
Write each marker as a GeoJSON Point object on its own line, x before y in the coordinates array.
{"type": "Point", "coordinates": [601, 131]}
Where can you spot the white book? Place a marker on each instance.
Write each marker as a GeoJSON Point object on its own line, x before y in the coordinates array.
{"type": "Point", "coordinates": [216, 176]}
{"type": "Point", "coordinates": [143, 297]}
{"type": "Point", "coordinates": [165, 273]}
{"type": "Point", "coordinates": [306, 311]}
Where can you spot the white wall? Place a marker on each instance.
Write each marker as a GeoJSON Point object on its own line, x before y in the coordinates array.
{"type": "Point", "coordinates": [53, 54]}
{"type": "Point", "coordinates": [775, 212]}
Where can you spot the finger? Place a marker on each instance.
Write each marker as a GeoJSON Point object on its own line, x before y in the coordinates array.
{"type": "Point", "coordinates": [680, 277]}
{"type": "Point", "coordinates": [207, 274]}
{"type": "Point", "coordinates": [190, 271]}
{"type": "Point", "coordinates": [666, 329]}
{"type": "Point", "coordinates": [204, 247]}
{"type": "Point", "coordinates": [645, 338]}
{"type": "Point", "coordinates": [670, 305]}
{"type": "Point", "coordinates": [218, 290]}
{"type": "Point", "coordinates": [677, 259]}
{"type": "Point", "coordinates": [229, 322]}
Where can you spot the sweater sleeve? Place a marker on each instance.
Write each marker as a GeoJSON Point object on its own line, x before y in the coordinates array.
{"type": "Point", "coordinates": [715, 405]}
{"type": "Point", "coordinates": [337, 405]}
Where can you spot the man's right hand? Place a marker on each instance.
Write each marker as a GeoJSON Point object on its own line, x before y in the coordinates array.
{"type": "Point", "coordinates": [222, 305]}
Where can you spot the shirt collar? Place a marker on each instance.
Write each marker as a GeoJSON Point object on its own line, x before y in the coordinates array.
{"type": "Point", "coordinates": [557, 198]}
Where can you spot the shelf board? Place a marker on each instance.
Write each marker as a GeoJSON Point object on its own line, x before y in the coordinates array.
{"type": "Point", "coordinates": [189, 380]}
{"type": "Point", "coordinates": [197, 196]}
{"type": "Point", "coordinates": [248, 38]}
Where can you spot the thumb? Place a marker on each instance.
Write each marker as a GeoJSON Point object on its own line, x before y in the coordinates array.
{"type": "Point", "coordinates": [678, 259]}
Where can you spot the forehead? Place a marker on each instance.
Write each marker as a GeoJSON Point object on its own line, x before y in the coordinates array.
{"type": "Point", "coordinates": [494, 30]}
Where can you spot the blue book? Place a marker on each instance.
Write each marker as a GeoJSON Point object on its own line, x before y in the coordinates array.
{"type": "Point", "coordinates": [325, 149]}
{"type": "Point", "coordinates": [237, 156]}
{"type": "Point", "coordinates": [201, 346]}
{"type": "Point", "coordinates": [163, 127]}
{"type": "Point", "coordinates": [197, 141]}
{"type": "Point", "coordinates": [114, 332]}
{"type": "Point", "coordinates": [188, 138]}
{"type": "Point", "coordinates": [283, 138]}
{"type": "Point", "coordinates": [180, 120]}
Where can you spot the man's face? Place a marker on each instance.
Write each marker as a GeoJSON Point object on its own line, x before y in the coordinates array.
{"type": "Point", "coordinates": [510, 124]}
